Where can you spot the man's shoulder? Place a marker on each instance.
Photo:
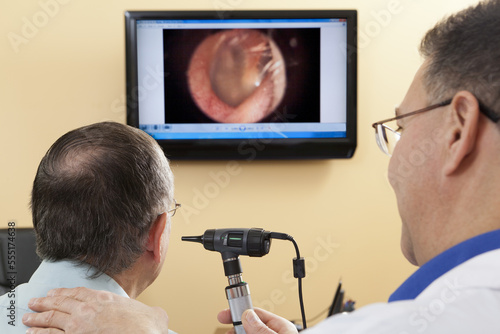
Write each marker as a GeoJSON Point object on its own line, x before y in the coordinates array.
{"type": "Point", "coordinates": [13, 305]}
{"type": "Point", "coordinates": [19, 296]}
{"type": "Point", "coordinates": [481, 272]}
{"type": "Point", "coordinates": [463, 300]}
{"type": "Point", "coordinates": [446, 313]}
{"type": "Point", "coordinates": [61, 274]}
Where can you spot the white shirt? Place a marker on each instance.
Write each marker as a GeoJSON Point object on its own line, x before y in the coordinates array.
{"type": "Point", "coordinates": [464, 299]}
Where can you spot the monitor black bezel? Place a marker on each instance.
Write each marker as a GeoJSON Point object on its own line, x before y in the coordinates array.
{"type": "Point", "coordinates": [245, 149]}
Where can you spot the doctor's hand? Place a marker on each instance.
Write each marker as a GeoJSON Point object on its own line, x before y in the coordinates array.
{"type": "Point", "coordinates": [82, 310]}
{"type": "Point", "coordinates": [259, 321]}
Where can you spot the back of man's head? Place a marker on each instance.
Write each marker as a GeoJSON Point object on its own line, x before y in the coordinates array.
{"type": "Point", "coordinates": [96, 193]}
{"type": "Point", "coordinates": [463, 52]}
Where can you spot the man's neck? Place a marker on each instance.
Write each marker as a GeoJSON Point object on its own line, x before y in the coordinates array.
{"type": "Point", "coordinates": [467, 206]}
{"type": "Point", "coordinates": [132, 282]}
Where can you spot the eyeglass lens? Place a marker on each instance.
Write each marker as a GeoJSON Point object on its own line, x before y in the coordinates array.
{"type": "Point", "coordinates": [386, 138]}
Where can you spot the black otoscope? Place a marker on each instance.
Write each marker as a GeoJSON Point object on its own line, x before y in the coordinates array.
{"type": "Point", "coordinates": [256, 242]}
{"type": "Point", "coordinates": [231, 243]}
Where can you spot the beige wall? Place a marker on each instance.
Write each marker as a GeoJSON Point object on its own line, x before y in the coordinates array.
{"type": "Point", "coordinates": [70, 72]}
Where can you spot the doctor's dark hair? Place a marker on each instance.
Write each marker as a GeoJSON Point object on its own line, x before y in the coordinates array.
{"type": "Point", "coordinates": [463, 53]}
{"type": "Point", "coordinates": [96, 194]}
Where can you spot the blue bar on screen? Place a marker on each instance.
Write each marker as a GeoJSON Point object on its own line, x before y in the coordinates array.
{"type": "Point", "coordinates": [247, 135]}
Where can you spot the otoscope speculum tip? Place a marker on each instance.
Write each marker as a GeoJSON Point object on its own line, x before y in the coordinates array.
{"type": "Point", "coordinates": [193, 239]}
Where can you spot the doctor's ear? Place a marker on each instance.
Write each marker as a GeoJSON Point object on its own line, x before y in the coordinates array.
{"type": "Point", "coordinates": [461, 134]}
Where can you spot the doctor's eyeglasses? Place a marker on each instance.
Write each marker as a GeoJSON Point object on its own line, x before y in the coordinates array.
{"type": "Point", "coordinates": [387, 132]}
{"type": "Point", "coordinates": [387, 137]}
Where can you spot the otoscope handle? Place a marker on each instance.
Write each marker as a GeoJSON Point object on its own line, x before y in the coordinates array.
{"type": "Point", "coordinates": [238, 296]}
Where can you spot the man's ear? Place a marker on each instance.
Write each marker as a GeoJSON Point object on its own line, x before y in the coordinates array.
{"type": "Point", "coordinates": [461, 134]}
{"type": "Point", "coordinates": [154, 243]}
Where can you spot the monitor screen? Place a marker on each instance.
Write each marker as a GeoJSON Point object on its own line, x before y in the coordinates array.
{"type": "Point", "coordinates": [244, 84]}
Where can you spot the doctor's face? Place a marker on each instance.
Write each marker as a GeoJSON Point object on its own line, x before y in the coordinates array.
{"type": "Point", "coordinates": [412, 168]}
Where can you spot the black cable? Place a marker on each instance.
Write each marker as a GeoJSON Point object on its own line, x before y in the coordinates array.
{"type": "Point", "coordinates": [299, 271]}
{"type": "Point", "coordinates": [294, 245]}
{"type": "Point", "coordinates": [301, 301]}
{"type": "Point", "coordinates": [299, 278]}
{"type": "Point", "coordinates": [320, 314]}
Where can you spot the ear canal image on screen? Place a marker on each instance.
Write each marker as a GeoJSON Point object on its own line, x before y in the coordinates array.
{"type": "Point", "coordinates": [237, 76]}
{"type": "Point", "coordinates": [244, 84]}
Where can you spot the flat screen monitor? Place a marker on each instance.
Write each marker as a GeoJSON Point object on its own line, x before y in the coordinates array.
{"type": "Point", "coordinates": [274, 84]}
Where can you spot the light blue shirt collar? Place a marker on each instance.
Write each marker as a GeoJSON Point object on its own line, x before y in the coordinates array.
{"type": "Point", "coordinates": [72, 274]}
